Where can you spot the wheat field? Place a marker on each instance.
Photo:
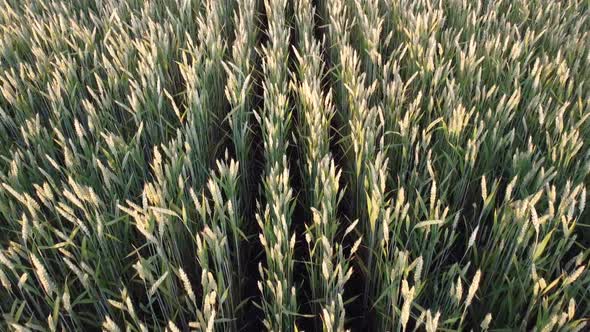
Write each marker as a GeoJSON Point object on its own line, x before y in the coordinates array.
{"type": "Point", "coordinates": [294, 165]}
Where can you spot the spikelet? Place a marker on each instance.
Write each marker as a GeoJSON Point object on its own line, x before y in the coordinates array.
{"type": "Point", "coordinates": [157, 284]}
{"type": "Point", "coordinates": [571, 308]}
{"type": "Point", "coordinates": [550, 324]}
{"type": "Point", "coordinates": [510, 188]}
{"type": "Point", "coordinates": [4, 281]}
{"type": "Point", "coordinates": [458, 290]}
{"type": "Point", "coordinates": [472, 238]}
{"type": "Point", "coordinates": [82, 276]}
{"type": "Point", "coordinates": [66, 300]}
{"type": "Point", "coordinates": [485, 323]}
{"type": "Point", "coordinates": [14, 193]}
{"type": "Point", "coordinates": [51, 323]}
{"type": "Point", "coordinates": [574, 275]}
{"type": "Point", "coordinates": [109, 325]}
{"type": "Point", "coordinates": [188, 288]}
{"type": "Point", "coordinates": [473, 288]}
{"type": "Point", "coordinates": [484, 188]}
{"type": "Point", "coordinates": [408, 295]}
{"type": "Point", "coordinates": [25, 228]}
{"type": "Point", "coordinates": [4, 260]}
{"type": "Point", "coordinates": [432, 322]}
{"type": "Point", "coordinates": [129, 304]}
{"type": "Point", "coordinates": [563, 318]}
{"type": "Point", "coordinates": [418, 270]}
{"type": "Point", "coordinates": [325, 271]}
{"type": "Point", "coordinates": [22, 280]}
{"type": "Point", "coordinates": [433, 195]}
{"type": "Point", "coordinates": [535, 219]}
{"type": "Point", "coordinates": [172, 327]}
{"type": "Point", "coordinates": [580, 327]}
{"type": "Point", "coordinates": [43, 276]}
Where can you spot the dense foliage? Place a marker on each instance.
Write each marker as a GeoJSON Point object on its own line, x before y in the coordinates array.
{"type": "Point", "coordinates": [237, 165]}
